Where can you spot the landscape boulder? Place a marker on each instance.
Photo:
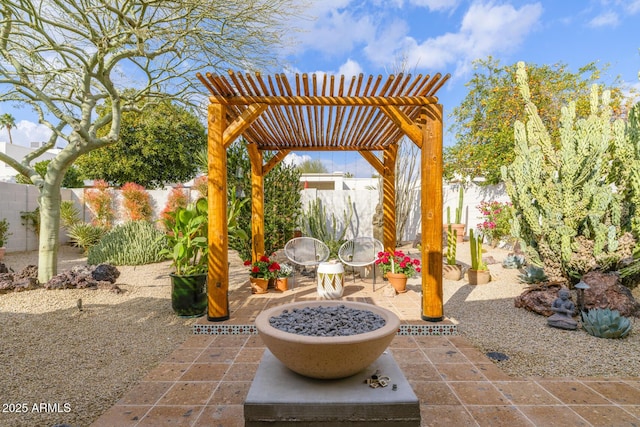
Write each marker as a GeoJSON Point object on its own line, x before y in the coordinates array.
{"type": "Point", "coordinates": [539, 299]}
{"type": "Point", "coordinates": [606, 291]}
{"type": "Point", "coordinates": [82, 277]}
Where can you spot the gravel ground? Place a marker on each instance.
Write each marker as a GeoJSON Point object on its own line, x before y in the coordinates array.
{"type": "Point", "coordinates": [53, 353]}
{"type": "Point", "coordinates": [490, 321]}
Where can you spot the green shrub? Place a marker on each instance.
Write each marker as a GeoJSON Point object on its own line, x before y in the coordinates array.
{"type": "Point", "coordinates": [131, 243]}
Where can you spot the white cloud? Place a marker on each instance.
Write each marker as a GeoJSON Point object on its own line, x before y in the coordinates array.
{"type": "Point", "coordinates": [608, 19]}
{"type": "Point", "coordinates": [295, 159]}
{"type": "Point", "coordinates": [350, 68]}
{"type": "Point", "coordinates": [436, 5]}
{"type": "Point", "coordinates": [335, 29]}
{"type": "Point", "coordinates": [486, 29]}
{"type": "Point", "coordinates": [631, 7]}
{"type": "Point", "coordinates": [27, 132]}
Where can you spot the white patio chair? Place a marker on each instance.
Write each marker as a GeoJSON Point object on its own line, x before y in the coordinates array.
{"type": "Point", "coordinates": [306, 251]}
{"type": "Point", "coordinates": [360, 252]}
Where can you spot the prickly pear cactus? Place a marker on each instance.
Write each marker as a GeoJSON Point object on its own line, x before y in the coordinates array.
{"type": "Point", "coordinates": [606, 323]}
{"type": "Point", "coordinates": [565, 190]}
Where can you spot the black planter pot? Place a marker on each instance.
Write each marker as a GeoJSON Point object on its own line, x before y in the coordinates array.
{"type": "Point", "coordinates": [189, 295]}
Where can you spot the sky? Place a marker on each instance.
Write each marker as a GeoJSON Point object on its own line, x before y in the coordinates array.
{"type": "Point", "coordinates": [372, 36]}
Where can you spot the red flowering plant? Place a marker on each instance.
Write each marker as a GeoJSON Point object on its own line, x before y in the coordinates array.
{"type": "Point", "coordinates": [263, 268]}
{"type": "Point", "coordinates": [495, 225]}
{"type": "Point", "coordinates": [398, 263]}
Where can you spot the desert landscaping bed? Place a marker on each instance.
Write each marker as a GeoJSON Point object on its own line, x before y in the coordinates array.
{"type": "Point", "coordinates": [54, 353]}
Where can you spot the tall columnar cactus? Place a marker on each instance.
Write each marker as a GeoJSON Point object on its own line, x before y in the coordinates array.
{"type": "Point", "coordinates": [460, 205]}
{"type": "Point", "coordinates": [476, 252]}
{"type": "Point", "coordinates": [452, 245]}
{"type": "Point", "coordinates": [572, 191]}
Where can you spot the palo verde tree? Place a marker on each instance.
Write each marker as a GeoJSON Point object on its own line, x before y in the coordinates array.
{"type": "Point", "coordinates": [483, 122]}
{"type": "Point", "coordinates": [67, 58]}
{"type": "Point", "coordinates": [156, 147]}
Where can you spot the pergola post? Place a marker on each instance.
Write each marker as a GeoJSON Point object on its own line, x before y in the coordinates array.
{"type": "Point", "coordinates": [431, 208]}
{"type": "Point", "coordinates": [257, 201]}
{"type": "Point", "coordinates": [389, 197]}
{"type": "Point", "coordinates": [218, 269]}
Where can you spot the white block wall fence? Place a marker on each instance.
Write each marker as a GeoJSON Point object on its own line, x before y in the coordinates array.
{"type": "Point", "coordinates": [17, 198]}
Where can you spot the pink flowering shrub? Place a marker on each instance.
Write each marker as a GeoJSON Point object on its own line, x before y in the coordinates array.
{"type": "Point", "coordinates": [495, 225]}
{"type": "Point", "coordinates": [398, 263]}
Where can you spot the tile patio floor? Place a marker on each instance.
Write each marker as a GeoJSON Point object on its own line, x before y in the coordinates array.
{"type": "Point", "coordinates": [205, 380]}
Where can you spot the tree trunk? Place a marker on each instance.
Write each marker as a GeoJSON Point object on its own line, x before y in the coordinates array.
{"type": "Point", "coordinates": [49, 200]}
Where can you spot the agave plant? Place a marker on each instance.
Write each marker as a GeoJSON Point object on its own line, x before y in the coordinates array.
{"type": "Point", "coordinates": [513, 261]}
{"type": "Point", "coordinates": [533, 274]}
{"type": "Point", "coordinates": [606, 323]}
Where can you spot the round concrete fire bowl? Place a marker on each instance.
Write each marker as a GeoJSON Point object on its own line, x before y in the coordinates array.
{"type": "Point", "coordinates": [327, 357]}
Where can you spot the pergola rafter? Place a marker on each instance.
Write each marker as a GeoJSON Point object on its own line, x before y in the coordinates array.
{"type": "Point", "coordinates": [325, 114]}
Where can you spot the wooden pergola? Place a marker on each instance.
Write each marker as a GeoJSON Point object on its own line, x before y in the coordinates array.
{"type": "Point", "coordinates": [325, 113]}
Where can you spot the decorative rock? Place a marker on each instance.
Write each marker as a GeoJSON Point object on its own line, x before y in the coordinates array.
{"type": "Point", "coordinates": [3, 268]}
{"type": "Point", "coordinates": [6, 282]}
{"type": "Point", "coordinates": [105, 273]}
{"type": "Point", "coordinates": [606, 291]}
{"type": "Point", "coordinates": [81, 277]}
{"type": "Point", "coordinates": [539, 299]}
{"type": "Point", "coordinates": [17, 282]}
{"type": "Point", "coordinates": [30, 271]}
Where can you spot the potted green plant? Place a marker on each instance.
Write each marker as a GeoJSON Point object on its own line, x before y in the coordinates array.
{"type": "Point", "coordinates": [397, 268]}
{"type": "Point", "coordinates": [4, 235]}
{"type": "Point", "coordinates": [457, 225]}
{"type": "Point", "coordinates": [261, 272]}
{"type": "Point", "coordinates": [187, 248]}
{"type": "Point", "coordinates": [452, 270]}
{"type": "Point", "coordinates": [479, 272]}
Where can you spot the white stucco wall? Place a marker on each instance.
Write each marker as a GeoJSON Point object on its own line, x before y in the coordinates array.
{"type": "Point", "coordinates": [16, 198]}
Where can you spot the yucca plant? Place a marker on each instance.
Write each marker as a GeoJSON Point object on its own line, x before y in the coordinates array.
{"type": "Point", "coordinates": [606, 323]}
{"type": "Point", "coordinates": [86, 235]}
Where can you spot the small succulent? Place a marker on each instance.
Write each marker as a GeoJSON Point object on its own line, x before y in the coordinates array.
{"type": "Point", "coordinates": [533, 274]}
{"type": "Point", "coordinates": [606, 323]}
{"type": "Point", "coordinates": [513, 261]}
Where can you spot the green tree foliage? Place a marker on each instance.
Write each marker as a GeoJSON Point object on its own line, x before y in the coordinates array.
{"type": "Point", "coordinates": [8, 122]}
{"type": "Point", "coordinates": [71, 178]}
{"type": "Point", "coordinates": [282, 204]}
{"type": "Point", "coordinates": [572, 203]}
{"type": "Point", "coordinates": [66, 59]}
{"type": "Point", "coordinates": [483, 122]}
{"type": "Point", "coordinates": [312, 166]}
{"type": "Point", "coordinates": [156, 147]}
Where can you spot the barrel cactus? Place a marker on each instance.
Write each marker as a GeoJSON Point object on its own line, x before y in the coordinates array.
{"type": "Point", "coordinates": [606, 323]}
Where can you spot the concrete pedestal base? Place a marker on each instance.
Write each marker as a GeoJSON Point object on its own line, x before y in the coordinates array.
{"type": "Point", "coordinates": [280, 397]}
